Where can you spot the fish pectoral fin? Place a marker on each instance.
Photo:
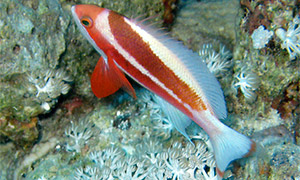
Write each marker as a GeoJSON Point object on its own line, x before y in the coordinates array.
{"type": "Point", "coordinates": [107, 78]}
{"type": "Point", "coordinates": [103, 81]}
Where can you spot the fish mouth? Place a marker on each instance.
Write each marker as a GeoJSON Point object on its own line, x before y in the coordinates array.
{"type": "Point", "coordinates": [76, 19]}
{"type": "Point", "coordinates": [73, 12]}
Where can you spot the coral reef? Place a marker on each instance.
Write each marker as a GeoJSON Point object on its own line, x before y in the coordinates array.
{"type": "Point", "coordinates": [37, 152]}
{"type": "Point", "coordinates": [261, 37]}
{"type": "Point", "coordinates": [261, 75]}
{"type": "Point", "coordinates": [32, 42]}
{"type": "Point", "coordinates": [289, 105]}
{"type": "Point", "coordinates": [272, 116]}
{"type": "Point", "coordinates": [32, 94]}
{"type": "Point", "coordinates": [255, 15]}
{"type": "Point", "coordinates": [217, 62]}
{"type": "Point", "coordinates": [274, 135]}
{"type": "Point", "coordinates": [93, 147]}
{"type": "Point", "coordinates": [248, 82]}
{"type": "Point", "coordinates": [112, 163]}
{"type": "Point", "coordinates": [40, 51]}
{"type": "Point", "coordinates": [48, 86]}
{"type": "Point", "coordinates": [269, 64]}
{"type": "Point", "coordinates": [291, 38]}
{"type": "Point", "coordinates": [131, 9]}
{"type": "Point", "coordinates": [78, 135]}
{"type": "Point", "coordinates": [52, 126]}
{"type": "Point", "coordinates": [32, 35]}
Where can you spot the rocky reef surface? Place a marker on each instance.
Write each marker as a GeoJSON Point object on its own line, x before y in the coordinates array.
{"type": "Point", "coordinates": [53, 127]}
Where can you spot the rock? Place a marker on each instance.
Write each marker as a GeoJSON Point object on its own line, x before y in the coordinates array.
{"type": "Point", "coordinates": [200, 22]}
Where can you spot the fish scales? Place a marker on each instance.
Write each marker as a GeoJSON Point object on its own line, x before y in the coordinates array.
{"type": "Point", "coordinates": [146, 57]}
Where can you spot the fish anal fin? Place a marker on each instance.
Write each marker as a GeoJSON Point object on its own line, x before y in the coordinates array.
{"type": "Point", "coordinates": [107, 78]}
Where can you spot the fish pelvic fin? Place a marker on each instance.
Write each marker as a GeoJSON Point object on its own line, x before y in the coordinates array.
{"type": "Point", "coordinates": [107, 78]}
{"type": "Point", "coordinates": [178, 120]}
{"type": "Point", "coordinates": [228, 146]}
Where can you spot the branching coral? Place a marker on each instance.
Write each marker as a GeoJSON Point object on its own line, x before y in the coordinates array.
{"type": "Point", "coordinates": [87, 173]}
{"type": "Point", "coordinates": [78, 135]}
{"type": "Point", "coordinates": [163, 124]}
{"type": "Point", "coordinates": [176, 162]}
{"type": "Point", "coordinates": [291, 37]}
{"type": "Point", "coordinates": [112, 163]}
{"type": "Point", "coordinates": [150, 150]}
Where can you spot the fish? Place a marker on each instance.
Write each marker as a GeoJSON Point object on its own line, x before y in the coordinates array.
{"type": "Point", "coordinates": [187, 90]}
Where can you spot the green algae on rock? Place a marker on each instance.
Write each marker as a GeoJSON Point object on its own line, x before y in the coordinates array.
{"type": "Point", "coordinates": [40, 50]}
{"type": "Point", "coordinates": [39, 35]}
{"type": "Point", "coordinates": [273, 68]}
{"type": "Point", "coordinates": [23, 97]}
{"type": "Point", "coordinates": [205, 22]}
{"type": "Point", "coordinates": [32, 41]}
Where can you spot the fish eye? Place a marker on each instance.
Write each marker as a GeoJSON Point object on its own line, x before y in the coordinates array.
{"type": "Point", "coordinates": [86, 22]}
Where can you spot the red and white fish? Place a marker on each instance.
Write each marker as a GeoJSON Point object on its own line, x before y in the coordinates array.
{"type": "Point", "coordinates": [165, 67]}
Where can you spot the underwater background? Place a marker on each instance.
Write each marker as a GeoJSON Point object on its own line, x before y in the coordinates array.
{"type": "Point", "coordinates": [52, 127]}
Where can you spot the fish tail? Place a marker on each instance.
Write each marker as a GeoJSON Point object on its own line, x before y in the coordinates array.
{"type": "Point", "coordinates": [228, 146]}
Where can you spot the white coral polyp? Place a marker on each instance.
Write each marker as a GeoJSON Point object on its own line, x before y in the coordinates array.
{"type": "Point", "coordinates": [248, 84]}
{"type": "Point", "coordinates": [217, 62]}
{"type": "Point", "coordinates": [261, 37]}
{"type": "Point", "coordinates": [291, 38]}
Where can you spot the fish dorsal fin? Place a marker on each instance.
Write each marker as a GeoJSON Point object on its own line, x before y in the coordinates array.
{"type": "Point", "coordinates": [107, 78]}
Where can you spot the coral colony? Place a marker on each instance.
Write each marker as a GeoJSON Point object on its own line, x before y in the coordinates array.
{"type": "Point", "coordinates": [78, 135]}
{"type": "Point", "coordinates": [291, 38]}
{"type": "Point", "coordinates": [261, 37]}
{"type": "Point", "coordinates": [217, 62]}
{"type": "Point", "coordinates": [248, 82]}
{"type": "Point", "coordinates": [151, 160]}
{"type": "Point", "coordinates": [48, 86]}
{"type": "Point", "coordinates": [177, 162]}
{"type": "Point", "coordinates": [158, 153]}
{"type": "Point", "coordinates": [158, 64]}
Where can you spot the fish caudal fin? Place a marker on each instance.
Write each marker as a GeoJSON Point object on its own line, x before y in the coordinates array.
{"type": "Point", "coordinates": [107, 78]}
{"type": "Point", "coordinates": [229, 146]}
